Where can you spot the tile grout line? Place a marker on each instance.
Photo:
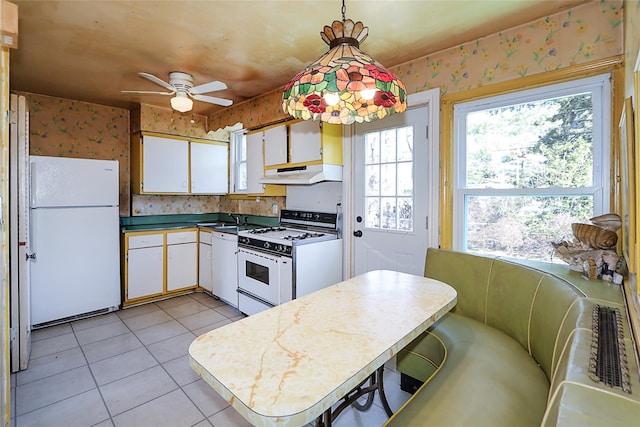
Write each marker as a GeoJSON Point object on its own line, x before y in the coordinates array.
{"type": "Point", "coordinates": [93, 376]}
{"type": "Point", "coordinates": [75, 330]}
{"type": "Point", "coordinates": [49, 376]}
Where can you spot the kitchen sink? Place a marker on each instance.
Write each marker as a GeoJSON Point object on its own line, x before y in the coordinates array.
{"type": "Point", "coordinates": [217, 225]}
{"type": "Point", "coordinates": [225, 226]}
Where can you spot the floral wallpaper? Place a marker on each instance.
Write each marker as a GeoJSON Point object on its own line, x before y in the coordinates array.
{"type": "Point", "coordinates": [631, 41]}
{"type": "Point", "coordinates": [582, 34]}
{"type": "Point", "coordinates": [166, 120]}
{"type": "Point", "coordinates": [162, 205]}
{"type": "Point", "coordinates": [65, 128]}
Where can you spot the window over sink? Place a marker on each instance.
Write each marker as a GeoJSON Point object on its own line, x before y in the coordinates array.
{"type": "Point", "coordinates": [238, 162]}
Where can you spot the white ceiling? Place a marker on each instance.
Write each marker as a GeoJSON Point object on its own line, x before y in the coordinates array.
{"type": "Point", "coordinates": [90, 50]}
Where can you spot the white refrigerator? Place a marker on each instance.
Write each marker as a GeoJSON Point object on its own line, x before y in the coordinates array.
{"type": "Point", "coordinates": [74, 221]}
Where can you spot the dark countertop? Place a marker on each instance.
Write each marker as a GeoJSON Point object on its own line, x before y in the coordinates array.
{"type": "Point", "coordinates": [178, 221]}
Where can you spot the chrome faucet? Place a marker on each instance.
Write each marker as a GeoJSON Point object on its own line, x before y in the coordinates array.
{"type": "Point", "coordinates": [236, 218]}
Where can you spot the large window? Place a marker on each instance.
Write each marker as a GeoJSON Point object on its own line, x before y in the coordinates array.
{"type": "Point", "coordinates": [528, 164]}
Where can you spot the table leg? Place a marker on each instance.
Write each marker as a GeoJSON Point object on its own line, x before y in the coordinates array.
{"type": "Point", "coordinates": [325, 419]}
{"type": "Point", "coordinates": [383, 396]}
{"type": "Point", "coordinates": [376, 382]}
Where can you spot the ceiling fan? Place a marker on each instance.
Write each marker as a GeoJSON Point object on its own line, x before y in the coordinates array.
{"type": "Point", "coordinates": [181, 84]}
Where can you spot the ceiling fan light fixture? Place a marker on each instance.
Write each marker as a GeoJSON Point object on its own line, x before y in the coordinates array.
{"type": "Point", "coordinates": [181, 103]}
{"type": "Point", "coordinates": [345, 85]}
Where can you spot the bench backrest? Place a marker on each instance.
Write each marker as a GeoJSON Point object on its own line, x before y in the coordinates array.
{"type": "Point", "coordinates": [527, 304]}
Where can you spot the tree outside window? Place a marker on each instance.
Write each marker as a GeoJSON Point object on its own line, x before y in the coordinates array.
{"type": "Point", "coordinates": [529, 169]}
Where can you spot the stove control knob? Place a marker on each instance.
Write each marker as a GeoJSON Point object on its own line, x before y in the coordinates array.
{"type": "Point", "coordinates": [267, 245]}
{"type": "Point", "coordinates": [244, 240]}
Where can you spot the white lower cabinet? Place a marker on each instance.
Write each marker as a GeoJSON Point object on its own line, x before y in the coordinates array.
{"type": "Point", "coordinates": [145, 266]}
{"type": "Point", "coordinates": [182, 260]}
{"type": "Point", "coordinates": [149, 256]}
{"type": "Point", "coordinates": [205, 261]}
{"type": "Point", "coordinates": [225, 270]}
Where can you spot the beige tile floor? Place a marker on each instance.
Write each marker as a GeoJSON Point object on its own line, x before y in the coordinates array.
{"type": "Point", "coordinates": [131, 368]}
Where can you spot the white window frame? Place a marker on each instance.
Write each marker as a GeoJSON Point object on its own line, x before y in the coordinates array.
{"type": "Point", "coordinates": [234, 159]}
{"type": "Point", "coordinates": [599, 86]}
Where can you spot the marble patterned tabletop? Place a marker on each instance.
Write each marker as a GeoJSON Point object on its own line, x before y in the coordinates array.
{"type": "Point", "coordinates": [285, 366]}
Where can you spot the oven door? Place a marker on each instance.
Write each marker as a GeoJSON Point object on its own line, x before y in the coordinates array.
{"type": "Point", "coordinates": [259, 275]}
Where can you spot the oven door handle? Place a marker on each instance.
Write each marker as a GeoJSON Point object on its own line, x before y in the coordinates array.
{"type": "Point", "coordinates": [252, 296]}
{"type": "Point", "coordinates": [275, 258]}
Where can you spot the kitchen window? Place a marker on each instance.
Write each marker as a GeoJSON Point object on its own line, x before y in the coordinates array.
{"type": "Point", "coordinates": [528, 164]}
{"type": "Point", "coordinates": [238, 161]}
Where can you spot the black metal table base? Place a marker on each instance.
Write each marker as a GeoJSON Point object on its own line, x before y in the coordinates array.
{"type": "Point", "coordinates": [351, 399]}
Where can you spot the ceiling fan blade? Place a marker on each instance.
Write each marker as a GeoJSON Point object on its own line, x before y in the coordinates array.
{"type": "Point", "coordinates": [213, 100]}
{"type": "Point", "coordinates": [208, 87]}
{"type": "Point", "coordinates": [147, 92]}
{"type": "Point", "coordinates": [157, 81]}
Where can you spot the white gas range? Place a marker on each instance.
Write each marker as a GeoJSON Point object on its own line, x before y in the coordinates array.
{"type": "Point", "coordinates": [278, 264]}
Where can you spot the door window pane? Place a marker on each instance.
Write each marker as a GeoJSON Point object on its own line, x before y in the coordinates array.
{"type": "Point", "coordinates": [389, 179]}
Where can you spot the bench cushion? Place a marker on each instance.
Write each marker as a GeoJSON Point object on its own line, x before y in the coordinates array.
{"type": "Point", "coordinates": [486, 376]}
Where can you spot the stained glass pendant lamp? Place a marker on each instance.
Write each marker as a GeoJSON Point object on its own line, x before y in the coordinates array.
{"type": "Point", "coordinates": [345, 85]}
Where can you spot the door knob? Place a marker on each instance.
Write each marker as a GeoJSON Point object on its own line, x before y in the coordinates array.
{"type": "Point", "coordinates": [357, 233]}
{"type": "Point", "coordinates": [31, 256]}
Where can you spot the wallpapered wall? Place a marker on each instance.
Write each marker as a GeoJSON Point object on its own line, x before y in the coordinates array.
{"type": "Point", "coordinates": [631, 42]}
{"type": "Point", "coordinates": [583, 34]}
{"type": "Point", "coordinates": [61, 127]}
{"type": "Point", "coordinates": [65, 128]}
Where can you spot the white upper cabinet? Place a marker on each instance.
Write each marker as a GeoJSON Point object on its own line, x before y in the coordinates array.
{"type": "Point", "coordinates": [209, 168]}
{"type": "Point", "coordinates": [177, 165]}
{"type": "Point", "coordinates": [275, 145]}
{"type": "Point", "coordinates": [166, 165]}
{"type": "Point", "coordinates": [255, 168]}
{"type": "Point", "coordinates": [306, 142]}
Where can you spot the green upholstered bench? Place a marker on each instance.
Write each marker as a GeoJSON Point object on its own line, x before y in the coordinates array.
{"type": "Point", "coordinates": [515, 351]}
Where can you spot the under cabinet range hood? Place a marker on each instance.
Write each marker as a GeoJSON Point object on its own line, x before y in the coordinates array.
{"type": "Point", "coordinates": [302, 175]}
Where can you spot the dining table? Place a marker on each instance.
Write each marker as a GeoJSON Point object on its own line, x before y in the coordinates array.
{"type": "Point", "coordinates": [292, 364]}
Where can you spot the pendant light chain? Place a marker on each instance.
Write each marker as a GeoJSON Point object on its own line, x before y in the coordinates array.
{"type": "Point", "coordinates": [344, 11]}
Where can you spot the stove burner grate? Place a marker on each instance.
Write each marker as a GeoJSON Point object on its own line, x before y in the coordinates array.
{"type": "Point", "coordinates": [302, 236]}
{"type": "Point", "coordinates": [266, 230]}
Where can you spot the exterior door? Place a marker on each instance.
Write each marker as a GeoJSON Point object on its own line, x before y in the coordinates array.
{"type": "Point", "coordinates": [395, 192]}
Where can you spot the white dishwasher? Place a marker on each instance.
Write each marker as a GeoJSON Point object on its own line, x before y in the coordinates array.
{"type": "Point", "coordinates": [224, 248]}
